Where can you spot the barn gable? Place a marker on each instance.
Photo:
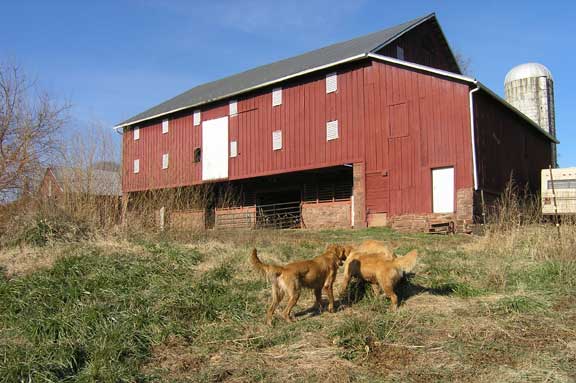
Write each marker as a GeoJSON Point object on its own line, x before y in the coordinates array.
{"type": "Point", "coordinates": [421, 39]}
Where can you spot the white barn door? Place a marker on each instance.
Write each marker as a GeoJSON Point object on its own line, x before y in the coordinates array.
{"type": "Point", "coordinates": [443, 190]}
{"type": "Point", "coordinates": [215, 149]}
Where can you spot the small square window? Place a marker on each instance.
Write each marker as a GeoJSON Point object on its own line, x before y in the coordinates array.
{"type": "Point", "coordinates": [165, 125]}
{"type": "Point", "coordinates": [136, 166]}
{"type": "Point", "coordinates": [233, 149]}
{"type": "Point", "coordinates": [277, 96]}
{"type": "Point", "coordinates": [197, 155]}
{"type": "Point", "coordinates": [331, 130]}
{"type": "Point", "coordinates": [197, 117]}
{"type": "Point", "coordinates": [165, 161]}
{"type": "Point", "coordinates": [331, 82]}
{"type": "Point", "coordinates": [233, 105]}
{"type": "Point", "coordinates": [277, 140]}
{"type": "Point", "coordinates": [136, 133]}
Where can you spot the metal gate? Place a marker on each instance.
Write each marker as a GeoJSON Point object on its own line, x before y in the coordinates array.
{"type": "Point", "coordinates": [285, 215]}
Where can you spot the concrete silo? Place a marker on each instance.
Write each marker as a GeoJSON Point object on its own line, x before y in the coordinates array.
{"type": "Point", "coordinates": [530, 89]}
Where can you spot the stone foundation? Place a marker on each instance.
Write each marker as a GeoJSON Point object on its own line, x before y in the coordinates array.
{"type": "Point", "coordinates": [462, 218]}
{"type": "Point", "coordinates": [327, 215]}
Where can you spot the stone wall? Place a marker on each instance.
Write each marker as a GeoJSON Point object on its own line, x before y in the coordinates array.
{"type": "Point", "coordinates": [462, 218]}
{"type": "Point", "coordinates": [327, 215]}
{"type": "Point", "coordinates": [359, 195]}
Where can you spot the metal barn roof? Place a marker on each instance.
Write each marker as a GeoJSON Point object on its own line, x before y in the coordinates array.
{"type": "Point", "coordinates": [278, 70]}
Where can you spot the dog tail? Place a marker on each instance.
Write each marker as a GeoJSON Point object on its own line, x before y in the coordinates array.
{"type": "Point", "coordinates": [263, 267]}
{"type": "Point", "coordinates": [407, 262]}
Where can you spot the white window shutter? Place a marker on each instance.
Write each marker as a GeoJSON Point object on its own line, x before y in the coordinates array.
{"type": "Point", "coordinates": [277, 140]}
{"type": "Point", "coordinates": [399, 52]}
{"type": "Point", "coordinates": [331, 130]}
{"type": "Point", "coordinates": [233, 104]}
{"type": "Point", "coordinates": [331, 82]}
{"type": "Point", "coordinates": [165, 124]}
{"type": "Point", "coordinates": [136, 133]}
{"type": "Point", "coordinates": [277, 96]}
{"type": "Point", "coordinates": [233, 148]}
{"type": "Point", "coordinates": [136, 166]}
{"type": "Point", "coordinates": [165, 161]}
{"type": "Point", "coordinates": [197, 117]}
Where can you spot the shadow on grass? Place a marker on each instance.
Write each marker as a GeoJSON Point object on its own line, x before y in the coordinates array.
{"type": "Point", "coordinates": [405, 289]}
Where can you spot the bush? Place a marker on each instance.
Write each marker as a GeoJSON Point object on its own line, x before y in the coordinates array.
{"type": "Point", "coordinates": [44, 227]}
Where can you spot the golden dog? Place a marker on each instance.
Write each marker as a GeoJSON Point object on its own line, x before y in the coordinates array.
{"type": "Point", "coordinates": [316, 274]}
{"type": "Point", "coordinates": [379, 271]}
{"type": "Point", "coordinates": [373, 246]}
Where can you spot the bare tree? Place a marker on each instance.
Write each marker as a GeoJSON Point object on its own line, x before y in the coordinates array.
{"type": "Point", "coordinates": [464, 62]}
{"type": "Point", "coordinates": [30, 121]}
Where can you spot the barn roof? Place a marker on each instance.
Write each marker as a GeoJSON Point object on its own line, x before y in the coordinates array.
{"type": "Point", "coordinates": [270, 73]}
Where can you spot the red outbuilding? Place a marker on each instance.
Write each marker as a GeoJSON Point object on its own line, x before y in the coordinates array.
{"type": "Point", "coordinates": [379, 130]}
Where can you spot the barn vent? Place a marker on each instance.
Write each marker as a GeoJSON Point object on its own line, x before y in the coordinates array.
{"type": "Point", "coordinates": [136, 133]}
{"type": "Point", "coordinates": [197, 118]}
{"type": "Point", "coordinates": [233, 107]}
{"type": "Point", "coordinates": [277, 140]}
{"type": "Point", "coordinates": [331, 82]}
{"type": "Point", "coordinates": [165, 161]}
{"type": "Point", "coordinates": [331, 130]}
{"type": "Point", "coordinates": [277, 96]}
{"type": "Point", "coordinates": [399, 52]}
{"type": "Point", "coordinates": [233, 148]}
{"type": "Point", "coordinates": [136, 166]}
{"type": "Point", "coordinates": [165, 124]}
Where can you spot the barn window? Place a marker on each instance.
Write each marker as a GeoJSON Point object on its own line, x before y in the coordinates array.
{"type": "Point", "coordinates": [233, 105]}
{"type": "Point", "coordinates": [165, 161]}
{"type": "Point", "coordinates": [197, 155]}
{"type": "Point", "coordinates": [197, 118]}
{"type": "Point", "coordinates": [165, 124]}
{"type": "Point", "coordinates": [277, 96]}
{"type": "Point", "coordinates": [233, 148]}
{"type": "Point", "coordinates": [136, 166]}
{"type": "Point", "coordinates": [49, 188]}
{"type": "Point", "coordinates": [399, 52]}
{"type": "Point", "coordinates": [331, 82]}
{"type": "Point", "coordinates": [136, 133]}
{"type": "Point", "coordinates": [277, 140]}
{"type": "Point", "coordinates": [331, 130]}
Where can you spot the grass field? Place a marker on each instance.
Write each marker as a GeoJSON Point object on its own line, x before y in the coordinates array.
{"type": "Point", "coordinates": [477, 309]}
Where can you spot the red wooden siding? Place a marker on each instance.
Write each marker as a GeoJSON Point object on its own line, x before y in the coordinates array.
{"type": "Point", "coordinates": [507, 145]}
{"type": "Point", "coordinates": [426, 45]}
{"type": "Point", "coordinates": [399, 122]}
{"type": "Point", "coordinates": [415, 122]}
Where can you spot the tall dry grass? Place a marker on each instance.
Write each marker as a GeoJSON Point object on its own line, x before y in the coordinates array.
{"type": "Point", "coordinates": [515, 224]}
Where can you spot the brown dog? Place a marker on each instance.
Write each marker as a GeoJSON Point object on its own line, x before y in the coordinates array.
{"type": "Point", "coordinates": [316, 274]}
{"type": "Point", "coordinates": [380, 272]}
{"type": "Point", "coordinates": [373, 246]}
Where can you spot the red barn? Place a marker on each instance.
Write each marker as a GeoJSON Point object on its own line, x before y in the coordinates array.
{"type": "Point", "coordinates": [379, 130]}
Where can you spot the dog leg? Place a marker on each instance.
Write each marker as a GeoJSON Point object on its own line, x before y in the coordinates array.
{"type": "Point", "coordinates": [277, 296]}
{"type": "Point", "coordinates": [318, 304]}
{"type": "Point", "coordinates": [292, 300]}
{"type": "Point", "coordinates": [375, 289]}
{"type": "Point", "coordinates": [346, 280]}
{"type": "Point", "coordinates": [389, 290]}
{"type": "Point", "coordinates": [330, 299]}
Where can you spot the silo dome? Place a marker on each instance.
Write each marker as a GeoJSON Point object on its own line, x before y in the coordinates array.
{"type": "Point", "coordinates": [527, 70]}
{"type": "Point", "coordinates": [530, 89]}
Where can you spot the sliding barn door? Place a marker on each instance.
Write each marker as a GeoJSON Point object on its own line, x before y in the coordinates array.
{"type": "Point", "coordinates": [215, 149]}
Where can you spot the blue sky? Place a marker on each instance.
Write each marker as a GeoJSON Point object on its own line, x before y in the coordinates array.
{"type": "Point", "coordinates": [114, 59]}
